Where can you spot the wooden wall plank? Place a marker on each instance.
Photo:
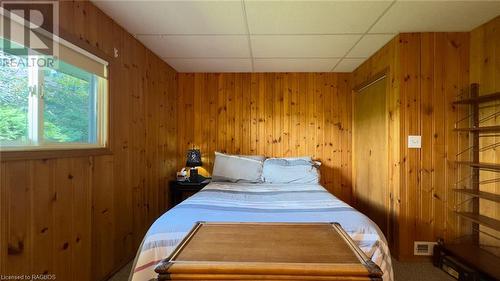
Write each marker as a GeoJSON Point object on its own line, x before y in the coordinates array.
{"type": "Point", "coordinates": [344, 127]}
{"type": "Point", "coordinates": [286, 115]}
{"type": "Point", "coordinates": [81, 232]}
{"type": "Point", "coordinates": [18, 192]}
{"type": "Point", "coordinates": [212, 90]}
{"type": "Point", "coordinates": [425, 201]}
{"type": "Point", "coordinates": [272, 114]}
{"type": "Point", "coordinates": [275, 119]}
{"type": "Point", "coordinates": [294, 123]}
{"type": "Point", "coordinates": [229, 104]}
{"type": "Point", "coordinates": [103, 216]}
{"type": "Point", "coordinates": [222, 114]}
{"type": "Point", "coordinates": [63, 215]}
{"type": "Point", "coordinates": [439, 142]}
{"type": "Point", "coordinates": [245, 111]}
{"type": "Point", "coordinates": [319, 114]}
{"type": "Point", "coordinates": [269, 114]}
{"type": "Point", "coordinates": [310, 114]}
{"type": "Point", "coordinates": [410, 99]}
{"type": "Point", "coordinates": [42, 183]}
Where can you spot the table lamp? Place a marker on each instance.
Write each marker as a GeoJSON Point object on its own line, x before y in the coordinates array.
{"type": "Point", "coordinates": [193, 161]}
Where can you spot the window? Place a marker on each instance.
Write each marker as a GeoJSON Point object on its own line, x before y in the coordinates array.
{"type": "Point", "coordinates": [62, 106]}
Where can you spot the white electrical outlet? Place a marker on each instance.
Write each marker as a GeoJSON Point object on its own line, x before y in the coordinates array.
{"type": "Point", "coordinates": [423, 248]}
{"type": "Point", "coordinates": [414, 141]}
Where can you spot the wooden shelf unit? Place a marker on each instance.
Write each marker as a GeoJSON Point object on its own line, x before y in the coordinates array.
{"type": "Point", "coordinates": [470, 250]}
{"type": "Point", "coordinates": [481, 220]}
{"type": "Point", "coordinates": [485, 129]}
{"type": "Point", "coordinates": [480, 165]}
{"type": "Point", "coordinates": [479, 99]}
{"type": "Point", "coordinates": [480, 194]}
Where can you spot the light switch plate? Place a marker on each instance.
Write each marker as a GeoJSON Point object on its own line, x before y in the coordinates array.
{"type": "Point", "coordinates": [414, 141]}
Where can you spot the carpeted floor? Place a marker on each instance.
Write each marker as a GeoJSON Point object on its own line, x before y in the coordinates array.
{"type": "Point", "coordinates": [403, 271]}
{"type": "Point", "coordinates": [123, 274]}
{"type": "Point", "coordinates": [418, 271]}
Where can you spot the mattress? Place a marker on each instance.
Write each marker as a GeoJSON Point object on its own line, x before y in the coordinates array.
{"type": "Point", "coordinates": [237, 202]}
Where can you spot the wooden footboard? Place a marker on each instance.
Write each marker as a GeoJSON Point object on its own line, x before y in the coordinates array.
{"type": "Point", "coordinates": [267, 251]}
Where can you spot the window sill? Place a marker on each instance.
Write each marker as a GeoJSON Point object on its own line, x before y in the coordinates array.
{"type": "Point", "coordinates": [50, 154]}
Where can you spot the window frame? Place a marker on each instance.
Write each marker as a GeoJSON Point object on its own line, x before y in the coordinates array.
{"type": "Point", "coordinates": [60, 150]}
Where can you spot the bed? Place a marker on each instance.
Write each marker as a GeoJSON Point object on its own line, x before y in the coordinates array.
{"type": "Point", "coordinates": [263, 202]}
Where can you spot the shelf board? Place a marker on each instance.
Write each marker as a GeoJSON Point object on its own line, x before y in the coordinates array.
{"type": "Point", "coordinates": [482, 220]}
{"type": "Point", "coordinates": [481, 165]}
{"type": "Point", "coordinates": [476, 257]}
{"type": "Point", "coordinates": [479, 129]}
{"type": "Point", "coordinates": [481, 194]}
{"type": "Point", "coordinates": [479, 99]}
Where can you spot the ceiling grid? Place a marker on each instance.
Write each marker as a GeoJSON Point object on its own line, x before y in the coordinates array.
{"type": "Point", "coordinates": [243, 6]}
{"type": "Point", "coordinates": [284, 36]}
{"type": "Point", "coordinates": [366, 32]}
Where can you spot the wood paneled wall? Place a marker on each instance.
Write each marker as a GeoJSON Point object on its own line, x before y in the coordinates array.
{"type": "Point", "coordinates": [83, 218]}
{"type": "Point", "coordinates": [272, 114]}
{"type": "Point", "coordinates": [428, 71]}
{"type": "Point", "coordinates": [485, 70]}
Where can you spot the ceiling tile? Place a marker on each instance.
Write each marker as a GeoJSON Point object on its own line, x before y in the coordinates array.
{"type": "Point", "coordinates": [369, 44]}
{"type": "Point", "coordinates": [301, 46]}
{"type": "Point", "coordinates": [421, 16]}
{"type": "Point", "coordinates": [210, 65]}
{"type": "Point", "coordinates": [177, 17]}
{"type": "Point", "coordinates": [348, 65]}
{"type": "Point", "coordinates": [294, 65]}
{"type": "Point", "coordinates": [195, 46]}
{"type": "Point", "coordinates": [312, 17]}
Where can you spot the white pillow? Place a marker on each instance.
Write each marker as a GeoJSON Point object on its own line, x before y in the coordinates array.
{"type": "Point", "coordinates": [291, 170]}
{"type": "Point", "coordinates": [235, 168]}
{"type": "Point", "coordinates": [254, 157]}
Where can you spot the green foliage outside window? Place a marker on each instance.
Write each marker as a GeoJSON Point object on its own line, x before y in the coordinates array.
{"type": "Point", "coordinates": [12, 123]}
{"type": "Point", "coordinates": [13, 102]}
{"type": "Point", "coordinates": [66, 104]}
{"type": "Point", "coordinates": [66, 108]}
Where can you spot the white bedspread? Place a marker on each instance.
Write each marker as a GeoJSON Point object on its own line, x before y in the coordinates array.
{"type": "Point", "coordinates": [231, 202]}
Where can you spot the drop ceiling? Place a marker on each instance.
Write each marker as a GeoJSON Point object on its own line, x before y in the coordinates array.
{"type": "Point", "coordinates": [284, 36]}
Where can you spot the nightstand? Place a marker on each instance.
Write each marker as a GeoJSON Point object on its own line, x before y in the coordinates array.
{"type": "Point", "coordinates": [181, 190]}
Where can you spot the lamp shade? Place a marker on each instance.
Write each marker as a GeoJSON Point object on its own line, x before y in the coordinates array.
{"type": "Point", "coordinates": [193, 158]}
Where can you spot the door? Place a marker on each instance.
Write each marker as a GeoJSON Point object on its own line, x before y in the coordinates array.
{"type": "Point", "coordinates": [370, 152]}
